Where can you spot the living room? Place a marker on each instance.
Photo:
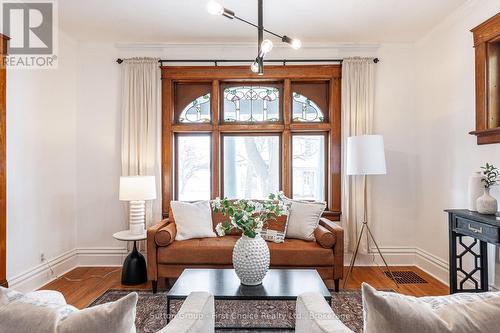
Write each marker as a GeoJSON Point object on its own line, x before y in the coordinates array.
{"type": "Point", "coordinates": [121, 143]}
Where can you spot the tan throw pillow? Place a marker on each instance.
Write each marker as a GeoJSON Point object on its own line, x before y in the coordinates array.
{"type": "Point", "coordinates": [303, 219]}
{"type": "Point", "coordinates": [390, 312]}
{"type": "Point", "coordinates": [192, 219]}
{"type": "Point", "coordinates": [275, 230]}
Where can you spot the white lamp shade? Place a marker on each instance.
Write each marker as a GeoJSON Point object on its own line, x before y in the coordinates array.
{"type": "Point", "coordinates": [137, 188]}
{"type": "Point", "coordinates": [365, 155]}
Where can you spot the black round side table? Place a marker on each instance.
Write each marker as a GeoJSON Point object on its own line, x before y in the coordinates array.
{"type": "Point", "coordinates": [134, 269]}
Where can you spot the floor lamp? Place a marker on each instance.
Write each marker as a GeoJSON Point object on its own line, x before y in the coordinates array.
{"type": "Point", "coordinates": [365, 156]}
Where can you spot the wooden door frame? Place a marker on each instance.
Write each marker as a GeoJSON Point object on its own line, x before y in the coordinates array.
{"type": "Point", "coordinates": [286, 74]}
{"type": "Point", "coordinates": [3, 163]}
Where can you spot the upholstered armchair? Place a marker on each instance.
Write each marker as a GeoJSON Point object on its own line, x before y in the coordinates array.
{"type": "Point", "coordinates": [196, 315]}
{"type": "Point", "coordinates": [314, 315]}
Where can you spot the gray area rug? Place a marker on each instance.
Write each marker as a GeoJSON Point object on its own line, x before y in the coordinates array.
{"type": "Point", "coordinates": [152, 314]}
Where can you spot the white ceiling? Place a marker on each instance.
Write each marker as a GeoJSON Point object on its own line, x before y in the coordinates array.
{"type": "Point", "coordinates": [332, 21]}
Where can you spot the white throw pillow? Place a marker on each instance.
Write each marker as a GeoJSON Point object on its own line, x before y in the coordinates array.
{"type": "Point", "coordinates": [192, 219]}
{"type": "Point", "coordinates": [30, 313]}
{"type": "Point", "coordinates": [303, 219]}
{"type": "Point", "coordinates": [391, 312]}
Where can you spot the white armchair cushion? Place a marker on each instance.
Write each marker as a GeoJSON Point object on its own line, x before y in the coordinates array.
{"type": "Point", "coordinates": [47, 312]}
{"type": "Point", "coordinates": [197, 315]}
{"type": "Point", "coordinates": [49, 296]}
{"type": "Point", "coordinates": [314, 315]}
{"type": "Point", "coordinates": [390, 312]}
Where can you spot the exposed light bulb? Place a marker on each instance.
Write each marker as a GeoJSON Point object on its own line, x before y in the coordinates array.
{"type": "Point", "coordinates": [266, 46]}
{"type": "Point", "coordinates": [296, 44]}
{"type": "Point", "coordinates": [254, 67]}
{"type": "Point", "coordinates": [215, 8]}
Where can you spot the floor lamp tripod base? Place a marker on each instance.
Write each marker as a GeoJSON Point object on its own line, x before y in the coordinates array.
{"type": "Point", "coordinates": [353, 259]}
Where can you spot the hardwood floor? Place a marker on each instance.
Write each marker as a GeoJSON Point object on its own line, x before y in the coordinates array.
{"type": "Point", "coordinates": [94, 281]}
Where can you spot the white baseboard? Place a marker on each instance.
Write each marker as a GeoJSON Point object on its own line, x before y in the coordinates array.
{"type": "Point", "coordinates": [41, 274]}
{"type": "Point", "coordinates": [404, 256]}
{"type": "Point", "coordinates": [395, 256]}
{"type": "Point", "coordinates": [432, 265]}
{"type": "Point", "coordinates": [102, 256]}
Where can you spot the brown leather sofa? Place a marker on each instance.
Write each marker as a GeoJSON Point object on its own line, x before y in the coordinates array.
{"type": "Point", "coordinates": [167, 258]}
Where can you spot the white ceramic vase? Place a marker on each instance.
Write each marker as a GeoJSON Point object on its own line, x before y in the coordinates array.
{"type": "Point", "coordinates": [251, 259]}
{"type": "Point", "coordinates": [486, 204]}
{"type": "Point", "coordinates": [476, 189]}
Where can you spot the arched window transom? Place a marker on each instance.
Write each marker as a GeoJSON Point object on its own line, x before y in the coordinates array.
{"type": "Point", "coordinates": [198, 111]}
{"type": "Point", "coordinates": [305, 110]}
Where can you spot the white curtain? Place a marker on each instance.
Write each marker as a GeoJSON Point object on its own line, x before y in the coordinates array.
{"type": "Point", "coordinates": [141, 125]}
{"type": "Point", "coordinates": [357, 119]}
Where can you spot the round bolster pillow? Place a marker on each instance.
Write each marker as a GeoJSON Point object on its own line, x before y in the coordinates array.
{"type": "Point", "coordinates": [324, 237]}
{"type": "Point", "coordinates": [165, 235]}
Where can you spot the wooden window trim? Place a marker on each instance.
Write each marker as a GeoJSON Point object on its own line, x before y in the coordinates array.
{"type": "Point", "coordinates": [3, 162]}
{"type": "Point", "coordinates": [285, 128]}
{"type": "Point", "coordinates": [484, 34]}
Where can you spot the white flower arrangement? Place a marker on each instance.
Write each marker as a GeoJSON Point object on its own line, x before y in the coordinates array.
{"type": "Point", "coordinates": [247, 215]}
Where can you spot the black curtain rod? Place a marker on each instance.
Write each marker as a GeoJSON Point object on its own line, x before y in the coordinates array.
{"type": "Point", "coordinates": [216, 61]}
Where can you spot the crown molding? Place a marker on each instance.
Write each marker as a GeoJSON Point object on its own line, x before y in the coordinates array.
{"type": "Point", "coordinates": [217, 45]}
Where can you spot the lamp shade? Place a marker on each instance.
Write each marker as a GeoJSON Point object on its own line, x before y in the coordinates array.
{"type": "Point", "coordinates": [365, 155]}
{"type": "Point", "coordinates": [137, 188]}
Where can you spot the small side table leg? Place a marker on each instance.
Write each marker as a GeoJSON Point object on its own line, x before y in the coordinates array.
{"type": "Point", "coordinates": [483, 250]}
{"type": "Point", "coordinates": [453, 257]}
{"type": "Point", "coordinates": [134, 269]}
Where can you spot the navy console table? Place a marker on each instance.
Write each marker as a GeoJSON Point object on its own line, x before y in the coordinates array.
{"type": "Point", "coordinates": [483, 229]}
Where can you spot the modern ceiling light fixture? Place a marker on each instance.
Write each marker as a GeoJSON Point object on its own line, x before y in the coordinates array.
{"type": "Point", "coordinates": [264, 45]}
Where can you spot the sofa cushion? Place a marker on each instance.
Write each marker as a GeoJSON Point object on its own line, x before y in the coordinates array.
{"type": "Point", "coordinates": [297, 252]}
{"type": "Point", "coordinates": [219, 251]}
{"type": "Point", "coordinates": [213, 251]}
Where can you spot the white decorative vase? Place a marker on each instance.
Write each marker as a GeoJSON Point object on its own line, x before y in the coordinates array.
{"type": "Point", "coordinates": [476, 189]}
{"type": "Point", "coordinates": [251, 259]}
{"type": "Point", "coordinates": [486, 204]}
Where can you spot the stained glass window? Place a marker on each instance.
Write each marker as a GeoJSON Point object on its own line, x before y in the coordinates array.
{"type": "Point", "coordinates": [198, 111]}
{"type": "Point", "coordinates": [306, 110]}
{"type": "Point", "coordinates": [251, 104]}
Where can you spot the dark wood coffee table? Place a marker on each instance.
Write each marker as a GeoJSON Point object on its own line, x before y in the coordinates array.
{"type": "Point", "coordinates": [279, 284]}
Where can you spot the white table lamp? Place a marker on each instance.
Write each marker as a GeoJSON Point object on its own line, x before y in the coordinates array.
{"type": "Point", "coordinates": [136, 190]}
{"type": "Point", "coordinates": [365, 156]}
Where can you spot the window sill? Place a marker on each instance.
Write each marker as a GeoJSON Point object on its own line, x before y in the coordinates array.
{"type": "Point", "coordinates": [487, 136]}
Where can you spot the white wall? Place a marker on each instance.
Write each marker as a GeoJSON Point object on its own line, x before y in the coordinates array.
{"type": "Point", "coordinates": [445, 110]}
{"type": "Point", "coordinates": [99, 213]}
{"type": "Point", "coordinates": [393, 195]}
{"type": "Point", "coordinates": [41, 167]}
